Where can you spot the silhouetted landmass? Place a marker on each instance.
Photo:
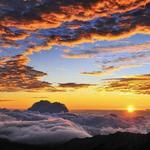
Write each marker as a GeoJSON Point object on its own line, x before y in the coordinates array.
{"type": "Point", "coordinates": [45, 106]}
{"type": "Point", "coordinates": [117, 141]}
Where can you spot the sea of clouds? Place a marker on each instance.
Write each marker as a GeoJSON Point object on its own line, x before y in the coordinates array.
{"type": "Point", "coordinates": [35, 128]}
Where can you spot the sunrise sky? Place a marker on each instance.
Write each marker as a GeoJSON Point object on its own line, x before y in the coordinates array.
{"type": "Point", "coordinates": [88, 54]}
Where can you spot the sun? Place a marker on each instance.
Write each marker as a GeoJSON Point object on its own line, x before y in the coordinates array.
{"type": "Point", "coordinates": [130, 109]}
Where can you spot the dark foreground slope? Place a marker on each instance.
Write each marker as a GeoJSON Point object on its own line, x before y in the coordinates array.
{"type": "Point", "coordinates": [118, 141]}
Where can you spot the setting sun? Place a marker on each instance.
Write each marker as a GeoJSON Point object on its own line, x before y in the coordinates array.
{"type": "Point", "coordinates": [130, 109]}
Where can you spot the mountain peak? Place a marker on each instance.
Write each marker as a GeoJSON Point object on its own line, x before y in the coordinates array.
{"type": "Point", "coordinates": [44, 106]}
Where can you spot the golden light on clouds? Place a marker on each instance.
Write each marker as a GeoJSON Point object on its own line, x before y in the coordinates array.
{"type": "Point", "coordinates": [94, 67]}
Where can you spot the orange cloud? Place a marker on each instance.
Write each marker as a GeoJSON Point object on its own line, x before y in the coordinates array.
{"type": "Point", "coordinates": [66, 23]}
{"type": "Point", "coordinates": [134, 84]}
{"type": "Point", "coordinates": [52, 14]}
{"type": "Point", "coordinates": [16, 76]}
{"type": "Point", "coordinates": [55, 14]}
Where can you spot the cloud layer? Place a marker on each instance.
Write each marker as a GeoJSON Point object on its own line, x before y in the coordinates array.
{"type": "Point", "coordinates": [27, 127]}
{"type": "Point", "coordinates": [36, 128]}
{"type": "Point", "coordinates": [107, 123]}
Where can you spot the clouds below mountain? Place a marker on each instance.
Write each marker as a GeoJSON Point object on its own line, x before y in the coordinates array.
{"type": "Point", "coordinates": [41, 129]}
{"type": "Point", "coordinates": [36, 128]}
{"type": "Point", "coordinates": [110, 123]}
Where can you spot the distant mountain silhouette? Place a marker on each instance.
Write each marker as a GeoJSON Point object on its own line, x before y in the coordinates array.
{"type": "Point", "coordinates": [117, 141]}
{"type": "Point", "coordinates": [44, 106]}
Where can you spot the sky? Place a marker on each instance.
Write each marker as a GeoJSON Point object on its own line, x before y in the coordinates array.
{"type": "Point", "coordinates": [86, 54]}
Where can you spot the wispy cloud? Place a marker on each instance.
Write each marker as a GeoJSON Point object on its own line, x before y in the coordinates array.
{"type": "Point", "coordinates": [98, 51]}
{"type": "Point", "coordinates": [75, 85]}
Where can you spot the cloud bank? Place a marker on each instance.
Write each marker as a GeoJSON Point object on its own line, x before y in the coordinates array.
{"type": "Point", "coordinates": [107, 123]}
{"type": "Point", "coordinates": [30, 128]}
{"type": "Point", "coordinates": [35, 128]}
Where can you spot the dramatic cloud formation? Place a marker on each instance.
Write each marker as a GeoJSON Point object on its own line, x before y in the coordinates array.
{"type": "Point", "coordinates": [136, 84]}
{"type": "Point", "coordinates": [27, 127]}
{"type": "Point", "coordinates": [15, 75]}
{"type": "Point", "coordinates": [36, 128]}
{"type": "Point", "coordinates": [38, 25]}
{"type": "Point", "coordinates": [72, 21]}
{"type": "Point", "coordinates": [96, 123]}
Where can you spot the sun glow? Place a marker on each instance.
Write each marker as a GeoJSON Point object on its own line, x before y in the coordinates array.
{"type": "Point", "coordinates": [130, 109]}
